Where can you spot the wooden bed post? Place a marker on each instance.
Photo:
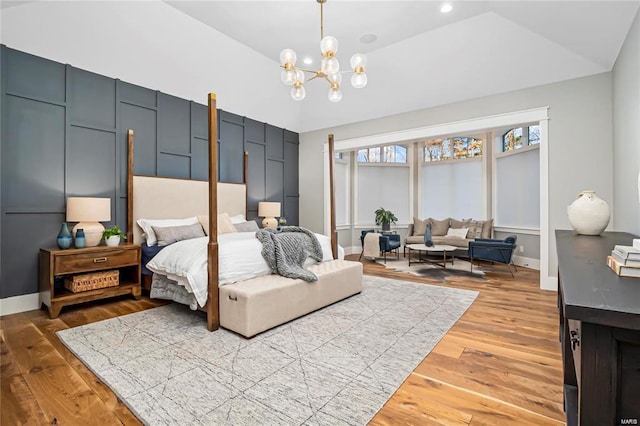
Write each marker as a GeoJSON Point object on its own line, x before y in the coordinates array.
{"type": "Point", "coordinates": [130, 186]}
{"type": "Point", "coordinates": [213, 308]}
{"type": "Point", "coordinates": [245, 180]}
{"type": "Point", "coordinates": [332, 201]}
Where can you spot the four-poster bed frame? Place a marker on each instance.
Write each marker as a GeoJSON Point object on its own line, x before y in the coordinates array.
{"type": "Point", "coordinates": [214, 190]}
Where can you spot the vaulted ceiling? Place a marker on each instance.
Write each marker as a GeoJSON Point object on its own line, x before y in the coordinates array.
{"type": "Point", "coordinates": [422, 57]}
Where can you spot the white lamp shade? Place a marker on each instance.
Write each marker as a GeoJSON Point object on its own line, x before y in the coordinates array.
{"type": "Point", "coordinates": [288, 77]}
{"type": "Point", "coordinates": [268, 209]}
{"type": "Point", "coordinates": [328, 44]}
{"type": "Point", "coordinates": [288, 56]}
{"type": "Point", "coordinates": [358, 60]}
{"type": "Point", "coordinates": [298, 93]}
{"type": "Point", "coordinates": [87, 209]}
{"type": "Point", "coordinates": [335, 95]}
{"type": "Point", "coordinates": [335, 78]}
{"type": "Point", "coordinates": [359, 80]}
{"type": "Point", "coordinates": [330, 65]}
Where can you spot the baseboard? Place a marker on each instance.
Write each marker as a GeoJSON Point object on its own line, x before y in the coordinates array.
{"type": "Point", "coordinates": [16, 304]}
{"type": "Point", "coordinates": [550, 283]}
{"type": "Point", "coordinates": [527, 262]}
{"type": "Point", "coordinates": [352, 250]}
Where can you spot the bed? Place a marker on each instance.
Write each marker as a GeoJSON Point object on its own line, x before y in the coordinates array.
{"type": "Point", "coordinates": [153, 197]}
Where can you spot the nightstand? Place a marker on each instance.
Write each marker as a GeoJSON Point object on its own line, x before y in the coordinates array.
{"type": "Point", "coordinates": [56, 264]}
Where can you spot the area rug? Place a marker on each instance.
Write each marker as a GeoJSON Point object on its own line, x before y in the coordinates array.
{"type": "Point", "coordinates": [336, 366]}
{"type": "Point", "coordinates": [460, 268]}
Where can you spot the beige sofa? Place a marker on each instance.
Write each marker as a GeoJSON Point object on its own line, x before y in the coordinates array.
{"type": "Point", "coordinates": [440, 229]}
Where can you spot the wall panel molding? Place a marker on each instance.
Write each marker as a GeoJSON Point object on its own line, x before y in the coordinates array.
{"type": "Point", "coordinates": [64, 133]}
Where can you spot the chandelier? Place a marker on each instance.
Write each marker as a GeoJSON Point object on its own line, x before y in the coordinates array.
{"type": "Point", "coordinates": [329, 68]}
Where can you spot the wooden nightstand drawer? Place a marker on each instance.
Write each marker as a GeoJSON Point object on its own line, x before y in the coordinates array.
{"type": "Point", "coordinates": [92, 261]}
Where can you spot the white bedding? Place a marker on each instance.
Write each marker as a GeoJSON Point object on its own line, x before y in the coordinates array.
{"type": "Point", "coordinates": [239, 259]}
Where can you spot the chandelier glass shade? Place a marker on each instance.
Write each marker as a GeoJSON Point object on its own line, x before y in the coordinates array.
{"type": "Point", "coordinates": [329, 71]}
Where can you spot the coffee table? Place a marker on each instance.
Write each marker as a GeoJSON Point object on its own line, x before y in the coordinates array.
{"type": "Point", "coordinates": [424, 251]}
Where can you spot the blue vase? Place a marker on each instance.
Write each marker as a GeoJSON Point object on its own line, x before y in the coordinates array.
{"type": "Point", "coordinates": [427, 236]}
{"type": "Point", "coordinates": [64, 237]}
{"type": "Point", "coordinates": [81, 242]}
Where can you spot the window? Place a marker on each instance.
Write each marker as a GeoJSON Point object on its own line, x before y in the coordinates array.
{"type": "Point", "coordinates": [452, 149]}
{"type": "Point", "coordinates": [385, 154]}
{"type": "Point", "coordinates": [337, 155]}
{"type": "Point", "coordinates": [512, 140]}
{"type": "Point", "coordinates": [517, 138]}
{"type": "Point", "coordinates": [534, 134]}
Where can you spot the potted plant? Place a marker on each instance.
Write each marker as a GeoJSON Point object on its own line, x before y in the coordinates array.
{"type": "Point", "coordinates": [112, 236]}
{"type": "Point", "coordinates": [385, 218]}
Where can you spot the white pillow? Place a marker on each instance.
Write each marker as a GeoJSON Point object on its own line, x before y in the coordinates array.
{"type": "Point", "coordinates": [147, 224]}
{"type": "Point", "coordinates": [457, 232]}
{"type": "Point", "coordinates": [239, 218]}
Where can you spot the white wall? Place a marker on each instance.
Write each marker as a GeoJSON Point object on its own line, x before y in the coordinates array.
{"type": "Point", "coordinates": [154, 45]}
{"type": "Point", "coordinates": [626, 132]}
{"type": "Point", "coordinates": [580, 125]}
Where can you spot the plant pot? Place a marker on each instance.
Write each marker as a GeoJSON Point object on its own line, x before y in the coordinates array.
{"type": "Point", "coordinates": [112, 241]}
{"type": "Point", "coordinates": [386, 226]}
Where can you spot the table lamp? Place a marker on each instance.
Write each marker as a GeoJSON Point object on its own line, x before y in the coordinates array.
{"type": "Point", "coordinates": [269, 210]}
{"type": "Point", "coordinates": [89, 212]}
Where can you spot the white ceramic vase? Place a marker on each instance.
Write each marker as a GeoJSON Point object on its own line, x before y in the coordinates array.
{"type": "Point", "coordinates": [589, 214]}
{"type": "Point", "coordinates": [112, 241]}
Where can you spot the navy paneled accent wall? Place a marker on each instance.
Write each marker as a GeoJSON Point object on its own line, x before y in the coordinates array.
{"type": "Point", "coordinates": [64, 134]}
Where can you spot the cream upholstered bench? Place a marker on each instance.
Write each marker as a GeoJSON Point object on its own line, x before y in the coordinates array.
{"type": "Point", "coordinates": [253, 306]}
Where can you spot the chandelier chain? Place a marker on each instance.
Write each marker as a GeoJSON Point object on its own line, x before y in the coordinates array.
{"type": "Point", "coordinates": [321, 20]}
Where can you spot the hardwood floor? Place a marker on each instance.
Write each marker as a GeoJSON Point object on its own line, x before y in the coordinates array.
{"type": "Point", "coordinates": [499, 364]}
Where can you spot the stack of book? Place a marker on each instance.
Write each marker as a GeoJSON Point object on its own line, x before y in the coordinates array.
{"type": "Point", "coordinates": [625, 260]}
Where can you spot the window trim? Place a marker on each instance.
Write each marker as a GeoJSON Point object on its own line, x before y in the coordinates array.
{"type": "Point", "coordinates": [524, 149]}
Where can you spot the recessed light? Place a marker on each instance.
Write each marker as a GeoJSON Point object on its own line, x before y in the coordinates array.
{"type": "Point", "coordinates": [368, 38]}
{"type": "Point", "coordinates": [446, 8]}
{"type": "Point", "coordinates": [307, 60]}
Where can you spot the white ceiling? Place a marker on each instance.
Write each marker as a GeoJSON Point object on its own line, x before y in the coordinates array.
{"type": "Point", "coordinates": [422, 57]}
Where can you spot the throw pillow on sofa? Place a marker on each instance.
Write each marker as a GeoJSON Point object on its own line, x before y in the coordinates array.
{"type": "Point", "coordinates": [475, 229]}
{"type": "Point", "coordinates": [486, 228]}
{"type": "Point", "coordinates": [439, 228]}
{"type": "Point", "coordinates": [457, 232]}
{"type": "Point", "coordinates": [457, 224]}
{"type": "Point", "coordinates": [419, 226]}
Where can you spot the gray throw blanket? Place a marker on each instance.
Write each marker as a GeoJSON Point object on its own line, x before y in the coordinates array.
{"type": "Point", "coordinates": [286, 250]}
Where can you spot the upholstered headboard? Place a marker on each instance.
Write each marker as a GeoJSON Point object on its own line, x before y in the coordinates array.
{"type": "Point", "coordinates": [168, 198]}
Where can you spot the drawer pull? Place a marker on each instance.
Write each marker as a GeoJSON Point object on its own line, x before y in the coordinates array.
{"type": "Point", "coordinates": [99, 260]}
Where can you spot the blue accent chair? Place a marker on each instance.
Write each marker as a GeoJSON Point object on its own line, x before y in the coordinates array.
{"type": "Point", "coordinates": [500, 251]}
{"type": "Point", "coordinates": [388, 243]}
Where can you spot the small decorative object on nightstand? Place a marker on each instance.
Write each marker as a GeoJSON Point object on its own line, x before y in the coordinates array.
{"type": "Point", "coordinates": [78, 267]}
{"type": "Point", "coordinates": [269, 210]}
{"type": "Point", "coordinates": [64, 237]}
{"type": "Point", "coordinates": [81, 241]}
{"type": "Point", "coordinates": [113, 235]}
{"type": "Point", "coordinates": [89, 212]}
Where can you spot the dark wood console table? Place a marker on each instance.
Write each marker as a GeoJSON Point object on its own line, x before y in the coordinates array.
{"type": "Point", "coordinates": [599, 331]}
